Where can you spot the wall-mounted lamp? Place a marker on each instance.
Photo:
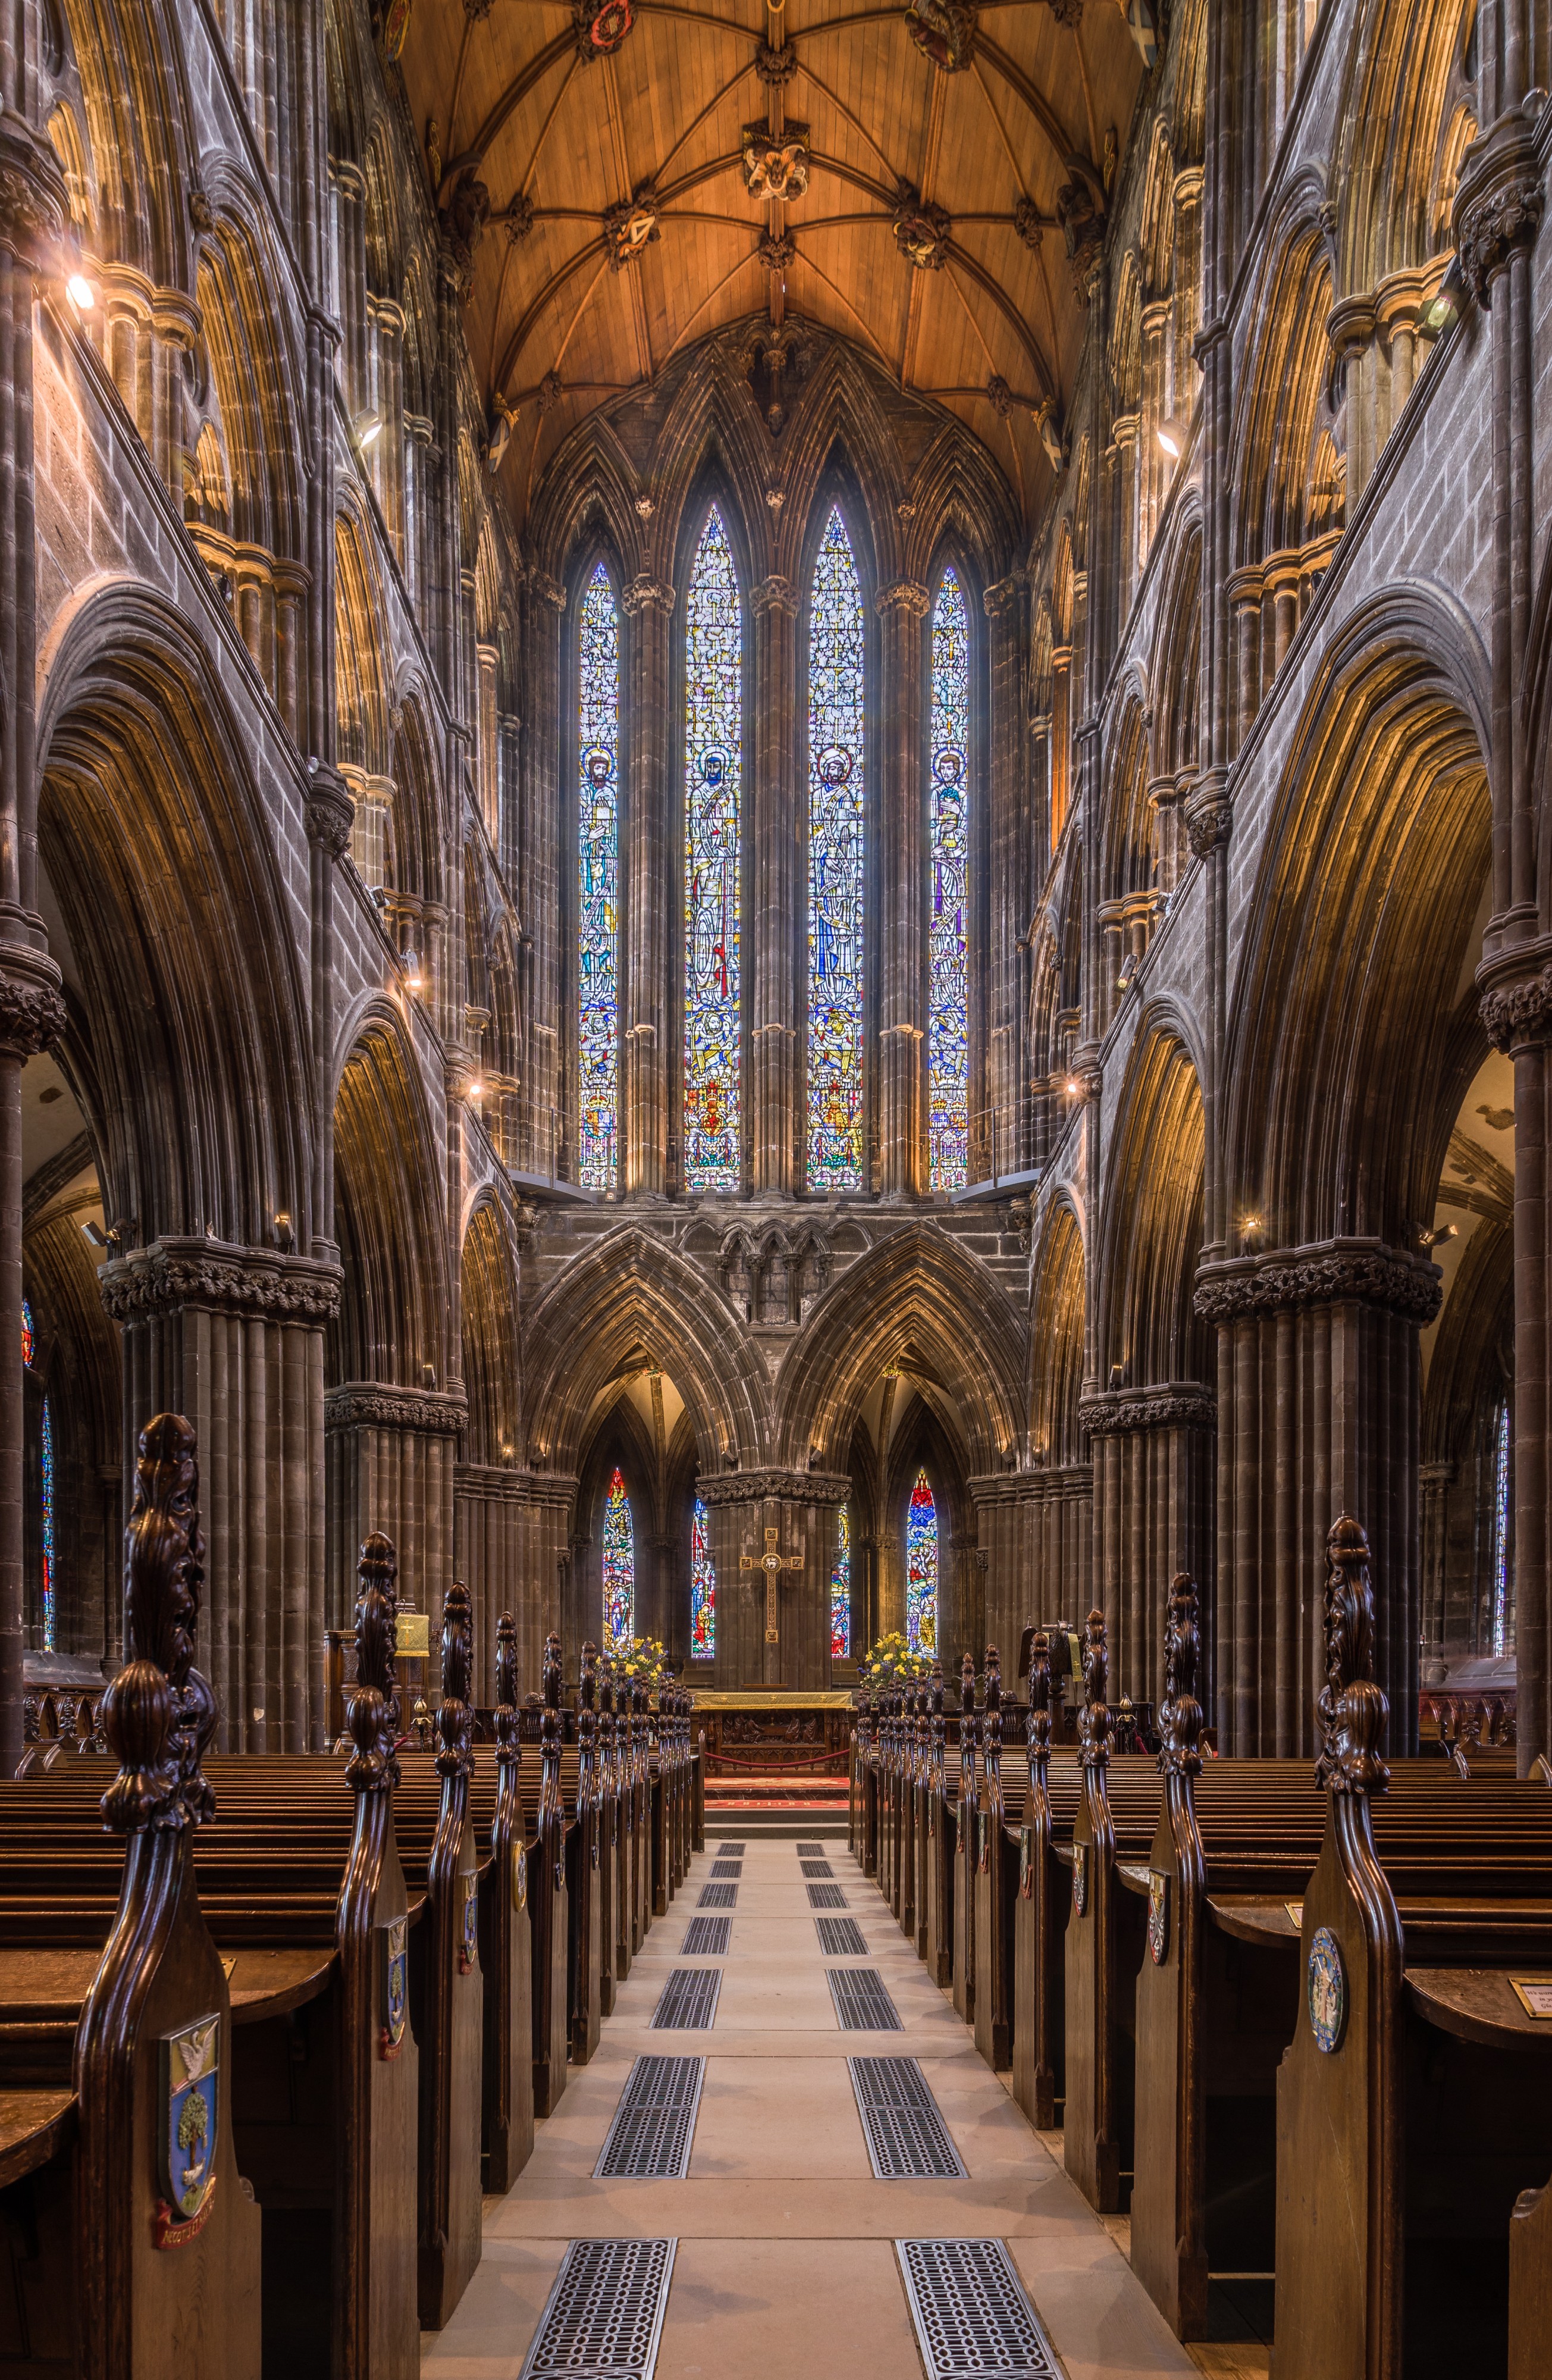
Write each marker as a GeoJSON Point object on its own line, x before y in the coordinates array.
{"type": "Point", "coordinates": [1427, 1240]}
{"type": "Point", "coordinates": [409, 962]}
{"type": "Point", "coordinates": [1169, 442]}
{"type": "Point", "coordinates": [81, 293]}
{"type": "Point", "coordinates": [369, 426]}
{"type": "Point", "coordinates": [1250, 1227]}
{"type": "Point", "coordinates": [96, 1235]}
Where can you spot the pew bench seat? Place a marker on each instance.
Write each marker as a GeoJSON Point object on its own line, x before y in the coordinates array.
{"type": "Point", "coordinates": [35, 2127]}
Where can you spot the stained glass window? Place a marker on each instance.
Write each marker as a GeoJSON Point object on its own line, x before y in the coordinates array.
{"type": "Point", "coordinates": [703, 1590]}
{"type": "Point", "coordinates": [713, 752]}
{"type": "Point", "coordinates": [27, 1339]}
{"type": "Point", "coordinates": [947, 1034]}
{"type": "Point", "coordinates": [619, 1566]}
{"type": "Point", "coordinates": [921, 1568]}
{"type": "Point", "coordinates": [835, 869]}
{"type": "Point", "coordinates": [840, 1591]}
{"type": "Point", "coordinates": [598, 855]}
{"type": "Point", "coordinates": [1500, 1535]}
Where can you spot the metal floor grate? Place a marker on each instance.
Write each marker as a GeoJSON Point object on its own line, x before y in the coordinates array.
{"type": "Point", "coordinates": [731, 1851]}
{"type": "Point", "coordinates": [971, 2311]}
{"type": "Point", "coordinates": [605, 2313]}
{"type": "Point", "coordinates": [654, 2124]}
{"type": "Point", "coordinates": [840, 1937]}
{"type": "Point", "coordinates": [815, 1867]}
{"type": "Point", "coordinates": [825, 1896]}
{"type": "Point", "coordinates": [907, 2138]}
{"type": "Point", "coordinates": [706, 1937]}
{"type": "Point", "coordinates": [690, 2000]}
{"type": "Point", "coordinates": [810, 1851]}
{"type": "Point", "coordinates": [727, 1867]}
{"type": "Point", "coordinates": [718, 1896]}
{"type": "Point", "coordinates": [862, 2005]}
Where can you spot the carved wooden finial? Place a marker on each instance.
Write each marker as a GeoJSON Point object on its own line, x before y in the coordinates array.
{"type": "Point", "coordinates": [159, 1712]}
{"type": "Point", "coordinates": [455, 1718]}
{"type": "Point", "coordinates": [1094, 1729]}
{"type": "Point", "coordinates": [373, 1715]}
{"type": "Point", "coordinates": [1181, 1718]}
{"type": "Point", "coordinates": [1353, 1709]}
{"type": "Point", "coordinates": [993, 1693]}
{"type": "Point", "coordinates": [509, 1748]}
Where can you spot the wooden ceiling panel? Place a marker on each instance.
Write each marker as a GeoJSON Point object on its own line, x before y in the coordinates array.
{"type": "Point", "coordinates": [977, 159]}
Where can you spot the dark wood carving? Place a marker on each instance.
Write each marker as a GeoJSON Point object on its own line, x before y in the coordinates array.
{"type": "Point", "coordinates": [505, 1943]}
{"type": "Point", "coordinates": [582, 1873]}
{"type": "Point", "coordinates": [1091, 2143]}
{"type": "Point", "coordinates": [1038, 2047]}
{"type": "Point", "coordinates": [450, 1999]}
{"type": "Point", "coordinates": [550, 1907]}
{"type": "Point", "coordinates": [993, 1957]}
{"type": "Point", "coordinates": [964, 1850]}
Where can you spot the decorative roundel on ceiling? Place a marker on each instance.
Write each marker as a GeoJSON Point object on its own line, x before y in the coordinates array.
{"type": "Point", "coordinates": [947, 765]}
{"type": "Point", "coordinates": [597, 764]}
{"type": "Point", "coordinates": [833, 765]}
{"type": "Point", "coordinates": [607, 27]}
{"type": "Point", "coordinates": [714, 766]}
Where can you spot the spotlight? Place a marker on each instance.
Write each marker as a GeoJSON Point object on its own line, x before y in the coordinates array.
{"type": "Point", "coordinates": [81, 292]}
{"type": "Point", "coordinates": [96, 1235]}
{"type": "Point", "coordinates": [1446, 305]}
{"type": "Point", "coordinates": [476, 1089]}
{"type": "Point", "coordinates": [367, 429]}
{"type": "Point", "coordinates": [1170, 443]}
{"type": "Point", "coordinates": [410, 963]}
{"type": "Point", "coordinates": [1251, 1226]}
{"type": "Point", "coordinates": [1070, 1086]}
{"type": "Point", "coordinates": [1427, 1240]}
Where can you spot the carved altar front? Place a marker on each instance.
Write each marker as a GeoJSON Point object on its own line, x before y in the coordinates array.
{"type": "Point", "coordinates": [766, 1731]}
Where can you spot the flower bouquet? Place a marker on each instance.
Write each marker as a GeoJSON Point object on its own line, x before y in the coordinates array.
{"type": "Point", "coordinates": [638, 1659]}
{"type": "Point", "coordinates": [894, 1661]}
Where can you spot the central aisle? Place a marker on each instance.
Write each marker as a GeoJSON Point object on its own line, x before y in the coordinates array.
{"type": "Point", "coordinates": [786, 2266]}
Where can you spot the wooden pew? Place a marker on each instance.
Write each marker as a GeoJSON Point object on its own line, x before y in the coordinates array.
{"type": "Point", "coordinates": [505, 1945]}
{"type": "Point", "coordinates": [994, 1889]}
{"type": "Point", "coordinates": [548, 1901]}
{"type": "Point", "coordinates": [448, 2008]}
{"type": "Point", "coordinates": [583, 1851]}
{"type": "Point", "coordinates": [963, 1905]}
{"type": "Point", "coordinates": [1041, 1913]}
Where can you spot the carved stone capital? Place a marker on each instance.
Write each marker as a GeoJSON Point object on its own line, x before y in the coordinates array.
{"type": "Point", "coordinates": [775, 594]}
{"type": "Point", "coordinates": [549, 591]}
{"type": "Point", "coordinates": [221, 1278]}
{"type": "Point", "coordinates": [32, 1005]}
{"type": "Point", "coordinates": [34, 203]}
{"type": "Point", "coordinates": [647, 594]}
{"type": "Point", "coordinates": [1499, 203]}
{"type": "Point", "coordinates": [904, 595]}
{"type": "Point", "coordinates": [1003, 596]}
{"type": "Point", "coordinates": [377, 1405]}
{"type": "Point", "coordinates": [329, 812]}
{"type": "Point", "coordinates": [1176, 1404]}
{"type": "Point", "coordinates": [1515, 1005]}
{"type": "Point", "coordinates": [1209, 815]}
{"type": "Point", "coordinates": [1335, 1273]}
{"type": "Point", "coordinates": [816, 1488]}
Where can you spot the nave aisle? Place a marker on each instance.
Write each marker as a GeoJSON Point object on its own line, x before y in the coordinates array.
{"type": "Point", "coordinates": [786, 2266]}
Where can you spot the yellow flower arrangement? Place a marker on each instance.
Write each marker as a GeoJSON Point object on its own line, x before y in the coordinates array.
{"type": "Point", "coordinates": [641, 1657]}
{"type": "Point", "coordinates": [894, 1661]}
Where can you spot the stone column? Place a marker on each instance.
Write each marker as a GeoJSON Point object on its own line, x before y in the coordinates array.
{"type": "Point", "coordinates": [802, 1507]}
{"type": "Point", "coordinates": [390, 1459]}
{"type": "Point", "coordinates": [773, 1124]}
{"type": "Point", "coordinates": [1318, 1413]}
{"type": "Point", "coordinates": [1009, 1508]}
{"type": "Point", "coordinates": [1437, 1479]}
{"type": "Point", "coordinates": [232, 1337]}
{"type": "Point", "coordinates": [647, 873]}
{"type": "Point", "coordinates": [1000, 904]}
{"type": "Point", "coordinates": [901, 1109]}
{"type": "Point", "coordinates": [1153, 1506]}
{"type": "Point", "coordinates": [486, 747]}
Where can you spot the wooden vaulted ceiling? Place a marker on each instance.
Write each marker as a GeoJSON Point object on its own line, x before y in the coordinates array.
{"type": "Point", "coordinates": [538, 147]}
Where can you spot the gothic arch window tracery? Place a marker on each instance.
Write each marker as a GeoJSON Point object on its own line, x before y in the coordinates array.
{"type": "Point", "coordinates": [948, 849]}
{"type": "Point", "coordinates": [713, 814]}
{"type": "Point", "coordinates": [618, 1565]}
{"type": "Point", "coordinates": [597, 878]}
{"type": "Point", "coordinates": [837, 696]}
{"type": "Point", "coordinates": [921, 1567]}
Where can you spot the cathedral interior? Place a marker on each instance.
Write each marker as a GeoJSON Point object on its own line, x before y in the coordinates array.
{"type": "Point", "coordinates": [772, 860]}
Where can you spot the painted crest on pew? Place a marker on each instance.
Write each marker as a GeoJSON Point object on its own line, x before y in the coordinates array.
{"type": "Point", "coordinates": [469, 1928]}
{"type": "Point", "coordinates": [1158, 1917]}
{"type": "Point", "coordinates": [393, 1939]}
{"type": "Point", "coordinates": [191, 2070]}
{"type": "Point", "coordinates": [1325, 1986]}
{"type": "Point", "coordinates": [1080, 1880]}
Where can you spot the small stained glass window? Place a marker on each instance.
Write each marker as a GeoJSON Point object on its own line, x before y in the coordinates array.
{"type": "Point", "coordinates": [840, 1591]}
{"type": "Point", "coordinates": [597, 868]}
{"type": "Point", "coordinates": [48, 1566]}
{"type": "Point", "coordinates": [619, 1566]}
{"type": "Point", "coordinates": [836, 746]}
{"type": "Point", "coordinates": [921, 1568]}
{"type": "Point", "coordinates": [703, 1590]}
{"type": "Point", "coordinates": [27, 1339]}
{"type": "Point", "coordinates": [1501, 1536]}
{"type": "Point", "coordinates": [947, 793]}
{"type": "Point", "coordinates": [713, 772]}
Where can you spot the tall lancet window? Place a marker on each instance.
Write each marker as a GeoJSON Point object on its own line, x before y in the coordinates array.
{"type": "Point", "coordinates": [598, 906]}
{"type": "Point", "coordinates": [840, 1591]}
{"type": "Point", "coordinates": [703, 1589]}
{"type": "Point", "coordinates": [835, 865]}
{"type": "Point", "coordinates": [713, 752]}
{"type": "Point", "coordinates": [948, 1048]}
{"type": "Point", "coordinates": [921, 1568]}
{"type": "Point", "coordinates": [618, 1565]}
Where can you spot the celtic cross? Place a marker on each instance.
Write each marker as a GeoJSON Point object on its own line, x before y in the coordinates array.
{"type": "Point", "coordinates": [772, 1563]}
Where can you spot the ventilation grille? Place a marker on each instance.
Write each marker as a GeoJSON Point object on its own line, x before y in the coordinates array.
{"type": "Point", "coordinates": [907, 2138]}
{"type": "Point", "coordinates": [718, 1896]}
{"type": "Point", "coordinates": [706, 1937]}
{"type": "Point", "coordinates": [862, 2005]}
{"type": "Point", "coordinates": [606, 2312]}
{"type": "Point", "coordinates": [690, 2000]}
{"type": "Point", "coordinates": [731, 1851]}
{"type": "Point", "coordinates": [971, 2312]}
{"type": "Point", "coordinates": [825, 1896]}
{"type": "Point", "coordinates": [815, 1867]}
{"type": "Point", "coordinates": [654, 2123]}
{"type": "Point", "coordinates": [840, 1937]}
{"type": "Point", "coordinates": [727, 1867]}
{"type": "Point", "coordinates": [810, 1851]}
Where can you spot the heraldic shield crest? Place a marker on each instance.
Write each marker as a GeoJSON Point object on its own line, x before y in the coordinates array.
{"type": "Point", "coordinates": [394, 1952]}
{"type": "Point", "coordinates": [190, 2076]}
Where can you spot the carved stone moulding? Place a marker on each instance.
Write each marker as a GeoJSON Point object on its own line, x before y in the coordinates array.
{"type": "Point", "coordinates": [816, 1488]}
{"type": "Point", "coordinates": [1330, 1272]}
{"type": "Point", "coordinates": [1515, 996]}
{"type": "Point", "coordinates": [1174, 1404]}
{"type": "Point", "coordinates": [31, 1004]}
{"type": "Point", "coordinates": [1499, 203]}
{"type": "Point", "coordinates": [222, 1278]}
{"type": "Point", "coordinates": [378, 1405]}
{"type": "Point", "coordinates": [34, 202]}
